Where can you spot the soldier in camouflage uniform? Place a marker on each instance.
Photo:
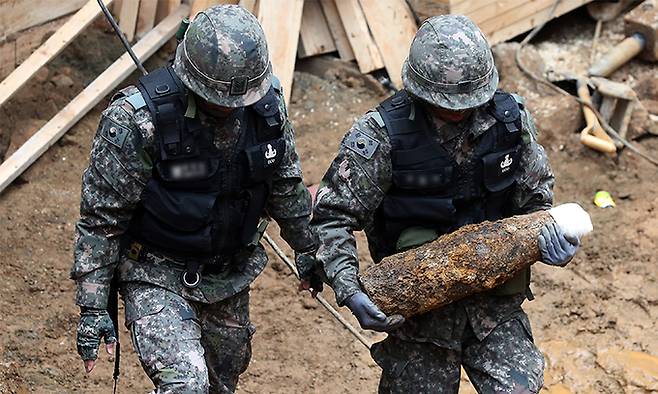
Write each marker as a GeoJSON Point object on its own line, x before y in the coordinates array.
{"type": "Point", "coordinates": [182, 170]}
{"type": "Point", "coordinates": [446, 151]}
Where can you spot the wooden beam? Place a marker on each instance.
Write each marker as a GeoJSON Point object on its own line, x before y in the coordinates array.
{"type": "Point", "coordinates": [146, 16]}
{"type": "Point", "coordinates": [249, 5]}
{"type": "Point", "coordinates": [53, 46]}
{"type": "Point", "coordinates": [467, 7]}
{"type": "Point", "coordinates": [337, 30]}
{"type": "Point", "coordinates": [200, 5]}
{"type": "Point", "coordinates": [17, 15]}
{"type": "Point", "coordinates": [128, 18]}
{"type": "Point", "coordinates": [29, 152]}
{"type": "Point", "coordinates": [315, 37]}
{"type": "Point", "coordinates": [165, 7]}
{"type": "Point", "coordinates": [492, 10]}
{"type": "Point", "coordinates": [364, 47]}
{"type": "Point", "coordinates": [281, 21]}
{"type": "Point", "coordinates": [515, 25]}
{"type": "Point", "coordinates": [392, 39]}
{"type": "Point", "coordinates": [29, 40]}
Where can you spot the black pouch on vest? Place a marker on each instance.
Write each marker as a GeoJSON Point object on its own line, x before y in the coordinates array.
{"type": "Point", "coordinates": [190, 212]}
{"type": "Point", "coordinates": [264, 158]}
{"type": "Point", "coordinates": [499, 169]}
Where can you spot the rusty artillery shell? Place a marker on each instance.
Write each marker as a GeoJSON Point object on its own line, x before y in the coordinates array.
{"type": "Point", "coordinates": [473, 259]}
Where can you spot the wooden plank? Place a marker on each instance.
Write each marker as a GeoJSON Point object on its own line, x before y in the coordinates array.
{"type": "Point", "coordinates": [116, 8]}
{"type": "Point", "coordinates": [53, 46]}
{"type": "Point", "coordinates": [392, 39]}
{"type": "Point", "coordinates": [468, 7]}
{"type": "Point", "coordinates": [200, 5]}
{"type": "Point", "coordinates": [492, 10]}
{"type": "Point", "coordinates": [45, 137]}
{"type": "Point", "coordinates": [249, 5]}
{"type": "Point", "coordinates": [315, 37]}
{"type": "Point", "coordinates": [337, 30]}
{"type": "Point", "coordinates": [497, 32]}
{"type": "Point", "coordinates": [146, 16]}
{"type": "Point", "coordinates": [17, 15]}
{"type": "Point", "coordinates": [128, 18]}
{"type": "Point", "coordinates": [165, 7]}
{"type": "Point", "coordinates": [281, 21]}
{"type": "Point", "coordinates": [364, 47]}
{"type": "Point", "coordinates": [7, 58]}
{"type": "Point", "coordinates": [32, 38]}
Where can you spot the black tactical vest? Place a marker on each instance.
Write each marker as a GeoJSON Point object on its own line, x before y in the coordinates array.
{"type": "Point", "coordinates": [202, 202]}
{"type": "Point", "coordinates": [429, 189]}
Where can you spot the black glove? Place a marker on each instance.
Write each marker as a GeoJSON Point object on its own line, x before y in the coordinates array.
{"type": "Point", "coordinates": [369, 316]}
{"type": "Point", "coordinates": [94, 324]}
{"type": "Point", "coordinates": [556, 249]}
{"type": "Point", "coordinates": [310, 270]}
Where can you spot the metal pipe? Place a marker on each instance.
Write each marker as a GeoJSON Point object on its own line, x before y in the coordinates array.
{"type": "Point", "coordinates": [618, 56]}
{"type": "Point", "coordinates": [319, 297]}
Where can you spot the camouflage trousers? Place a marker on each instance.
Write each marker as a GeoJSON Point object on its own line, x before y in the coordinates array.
{"type": "Point", "coordinates": [186, 346]}
{"type": "Point", "coordinates": [506, 361]}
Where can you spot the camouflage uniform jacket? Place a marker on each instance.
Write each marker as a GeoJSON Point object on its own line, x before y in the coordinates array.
{"type": "Point", "coordinates": [354, 187]}
{"type": "Point", "coordinates": [118, 170]}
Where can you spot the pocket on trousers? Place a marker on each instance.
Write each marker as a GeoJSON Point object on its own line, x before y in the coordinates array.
{"type": "Point", "coordinates": [391, 365]}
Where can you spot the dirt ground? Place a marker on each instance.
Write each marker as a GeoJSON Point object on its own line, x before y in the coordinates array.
{"type": "Point", "coordinates": [595, 320]}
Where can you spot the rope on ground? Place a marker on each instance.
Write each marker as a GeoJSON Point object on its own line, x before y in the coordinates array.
{"type": "Point", "coordinates": [606, 126]}
{"type": "Point", "coordinates": [279, 252]}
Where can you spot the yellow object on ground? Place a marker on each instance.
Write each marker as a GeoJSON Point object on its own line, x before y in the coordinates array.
{"type": "Point", "coordinates": [603, 199]}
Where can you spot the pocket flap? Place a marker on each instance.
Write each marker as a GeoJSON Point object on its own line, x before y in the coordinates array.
{"type": "Point", "coordinates": [187, 211]}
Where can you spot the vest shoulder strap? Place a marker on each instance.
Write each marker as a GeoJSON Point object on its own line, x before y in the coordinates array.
{"type": "Point", "coordinates": [399, 114]}
{"type": "Point", "coordinates": [506, 109]}
{"type": "Point", "coordinates": [268, 111]}
{"type": "Point", "coordinates": [166, 98]}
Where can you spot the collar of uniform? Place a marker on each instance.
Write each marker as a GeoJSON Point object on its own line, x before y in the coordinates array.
{"type": "Point", "coordinates": [480, 121]}
{"type": "Point", "coordinates": [191, 110]}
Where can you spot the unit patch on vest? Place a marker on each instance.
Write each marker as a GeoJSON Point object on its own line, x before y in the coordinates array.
{"type": "Point", "coordinates": [499, 169]}
{"type": "Point", "coordinates": [506, 164]}
{"type": "Point", "coordinates": [114, 133]}
{"type": "Point", "coordinates": [362, 144]}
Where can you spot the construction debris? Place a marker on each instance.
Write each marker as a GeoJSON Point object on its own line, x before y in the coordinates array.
{"type": "Point", "coordinates": [641, 25]}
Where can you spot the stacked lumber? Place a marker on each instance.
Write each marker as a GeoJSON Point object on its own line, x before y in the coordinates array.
{"type": "Point", "coordinates": [376, 34]}
{"type": "Point", "coordinates": [500, 20]}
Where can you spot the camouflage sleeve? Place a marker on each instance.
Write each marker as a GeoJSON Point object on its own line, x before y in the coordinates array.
{"type": "Point", "coordinates": [351, 190]}
{"type": "Point", "coordinates": [534, 190]}
{"type": "Point", "coordinates": [111, 185]}
{"type": "Point", "coordinates": [290, 201]}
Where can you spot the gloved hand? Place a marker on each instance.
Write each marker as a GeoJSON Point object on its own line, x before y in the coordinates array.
{"type": "Point", "coordinates": [556, 249]}
{"type": "Point", "coordinates": [309, 271]}
{"type": "Point", "coordinates": [369, 316]}
{"type": "Point", "coordinates": [94, 324]}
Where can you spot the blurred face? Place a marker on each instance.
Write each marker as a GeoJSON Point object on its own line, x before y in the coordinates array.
{"type": "Point", "coordinates": [214, 110]}
{"type": "Point", "coordinates": [450, 116]}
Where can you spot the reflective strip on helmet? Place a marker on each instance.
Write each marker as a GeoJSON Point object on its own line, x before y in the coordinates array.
{"type": "Point", "coordinates": [243, 82]}
{"type": "Point", "coordinates": [460, 87]}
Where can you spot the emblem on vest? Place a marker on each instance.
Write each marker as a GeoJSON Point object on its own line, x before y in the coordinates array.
{"type": "Point", "coordinates": [505, 164]}
{"type": "Point", "coordinates": [270, 155]}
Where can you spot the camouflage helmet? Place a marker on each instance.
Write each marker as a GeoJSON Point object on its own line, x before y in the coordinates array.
{"type": "Point", "coordinates": [450, 64]}
{"type": "Point", "coordinates": [223, 57]}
